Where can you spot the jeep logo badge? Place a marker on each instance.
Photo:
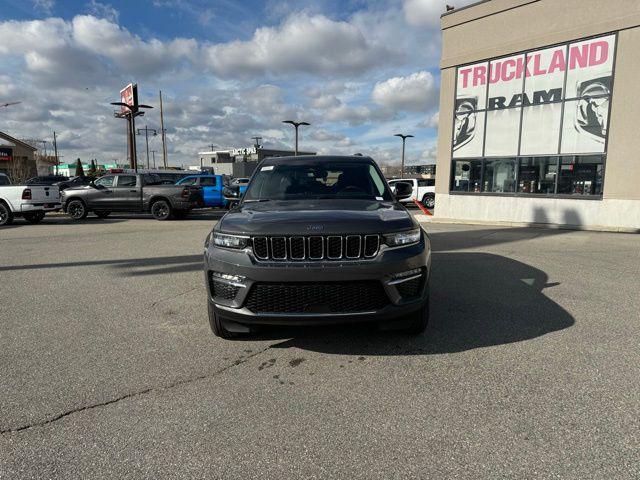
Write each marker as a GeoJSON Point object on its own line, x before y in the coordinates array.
{"type": "Point", "coordinates": [315, 228]}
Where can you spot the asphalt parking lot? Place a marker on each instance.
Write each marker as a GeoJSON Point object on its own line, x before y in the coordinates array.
{"type": "Point", "coordinates": [530, 366]}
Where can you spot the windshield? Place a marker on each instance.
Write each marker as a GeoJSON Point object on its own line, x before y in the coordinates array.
{"type": "Point", "coordinates": [344, 179]}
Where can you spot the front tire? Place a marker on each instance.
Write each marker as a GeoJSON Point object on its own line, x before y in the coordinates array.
{"type": "Point", "coordinates": [77, 210]}
{"type": "Point", "coordinates": [429, 201]}
{"type": "Point", "coordinates": [102, 214]}
{"type": "Point", "coordinates": [34, 217]}
{"type": "Point", "coordinates": [217, 327]}
{"type": "Point", "coordinates": [161, 210]}
{"type": "Point", "coordinates": [6, 215]}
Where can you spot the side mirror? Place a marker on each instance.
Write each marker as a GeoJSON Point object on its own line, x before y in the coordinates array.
{"type": "Point", "coordinates": [402, 190]}
{"type": "Point", "coordinates": [231, 194]}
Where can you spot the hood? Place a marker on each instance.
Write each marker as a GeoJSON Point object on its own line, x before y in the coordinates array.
{"type": "Point", "coordinates": [316, 217]}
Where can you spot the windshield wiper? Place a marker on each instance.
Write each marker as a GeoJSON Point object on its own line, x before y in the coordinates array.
{"type": "Point", "coordinates": [257, 200]}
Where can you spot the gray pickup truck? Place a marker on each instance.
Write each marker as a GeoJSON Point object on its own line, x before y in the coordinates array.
{"type": "Point", "coordinates": [128, 192]}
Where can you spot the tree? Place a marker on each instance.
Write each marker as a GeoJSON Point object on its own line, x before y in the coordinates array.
{"type": "Point", "coordinates": [92, 169]}
{"type": "Point", "coordinates": [79, 169]}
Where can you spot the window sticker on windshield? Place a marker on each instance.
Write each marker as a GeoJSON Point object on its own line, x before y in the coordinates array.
{"type": "Point", "coordinates": [265, 169]}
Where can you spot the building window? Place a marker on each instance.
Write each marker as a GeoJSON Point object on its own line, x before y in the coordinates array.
{"type": "Point", "coordinates": [579, 175]}
{"type": "Point", "coordinates": [499, 175]}
{"type": "Point", "coordinates": [467, 176]}
{"type": "Point", "coordinates": [535, 122]}
{"type": "Point", "coordinates": [538, 175]}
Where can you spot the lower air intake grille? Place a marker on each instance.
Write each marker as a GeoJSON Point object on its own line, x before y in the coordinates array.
{"type": "Point", "coordinates": [223, 290]}
{"type": "Point", "coordinates": [410, 288]}
{"type": "Point", "coordinates": [328, 297]}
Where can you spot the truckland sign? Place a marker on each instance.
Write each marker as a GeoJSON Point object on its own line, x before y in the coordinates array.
{"type": "Point", "coordinates": [544, 102]}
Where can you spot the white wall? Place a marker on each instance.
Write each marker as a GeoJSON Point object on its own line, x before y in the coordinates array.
{"type": "Point", "coordinates": [598, 214]}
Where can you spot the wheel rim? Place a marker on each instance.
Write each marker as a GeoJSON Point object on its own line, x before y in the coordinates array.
{"type": "Point", "coordinates": [4, 215]}
{"type": "Point", "coordinates": [161, 209]}
{"type": "Point", "coordinates": [76, 210]}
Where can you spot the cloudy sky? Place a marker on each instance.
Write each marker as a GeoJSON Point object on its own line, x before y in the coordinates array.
{"type": "Point", "coordinates": [358, 71]}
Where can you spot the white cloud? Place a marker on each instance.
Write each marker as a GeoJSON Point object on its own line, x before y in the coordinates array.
{"type": "Point", "coordinates": [103, 10]}
{"type": "Point", "coordinates": [302, 44]}
{"type": "Point", "coordinates": [416, 92]}
{"type": "Point", "coordinates": [44, 6]}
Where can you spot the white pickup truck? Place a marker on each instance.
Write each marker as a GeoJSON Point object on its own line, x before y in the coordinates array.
{"type": "Point", "coordinates": [28, 201]}
{"type": "Point", "coordinates": [424, 190]}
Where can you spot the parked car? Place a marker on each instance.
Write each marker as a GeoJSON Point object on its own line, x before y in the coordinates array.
{"type": "Point", "coordinates": [31, 202]}
{"type": "Point", "coordinates": [78, 181]}
{"type": "Point", "coordinates": [126, 192]}
{"type": "Point", "coordinates": [317, 240]}
{"type": "Point", "coordinates": [46, 180]}
{"type": "Point", "coordinates": [234, 190]}
{"type": "Point", "coordinates": [424, 190]}
{"type": "Point", "coordinates": [211, 188]}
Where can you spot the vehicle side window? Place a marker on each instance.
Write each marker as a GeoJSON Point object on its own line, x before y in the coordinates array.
{"type": "Point", "coordinates": [126, 180]}
{"type": "Point", "coordinates": [189, 181]}
{"type": "Point", "coordinates": [430, 182]}
{"type": "Point", "coordinates": [105, 181]}
{"type": "Point", "coordinates": [208, 181]}
{"type": "Point", "coordinates": [4, 180]}
{"type": "Point", "coordinates": [377, 181]}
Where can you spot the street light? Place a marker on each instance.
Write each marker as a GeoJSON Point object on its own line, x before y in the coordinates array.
{"type": "Point", "coordinates": [296, 125]}
{"type": "Point", "coordinates": [404, 139]}
{"type": "Point", "coordinates": [146, 131]}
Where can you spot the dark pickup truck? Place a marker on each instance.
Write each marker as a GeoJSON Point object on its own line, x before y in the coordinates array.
{"type": "Point", "coordinates": [128, 192]}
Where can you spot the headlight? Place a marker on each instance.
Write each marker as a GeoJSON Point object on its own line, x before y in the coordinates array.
{"type": "Point", "coordinates": [229, 241]}
{"type": "Point", "coordinates": [400, 239]}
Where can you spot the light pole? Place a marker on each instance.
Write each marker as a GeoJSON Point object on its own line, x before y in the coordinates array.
{"type": "Point", "coordinates": [146, 131]}
{"type": "Point", "coordinates": [404, 139]}
{"type": "Point", "coordinates": [295, 125]}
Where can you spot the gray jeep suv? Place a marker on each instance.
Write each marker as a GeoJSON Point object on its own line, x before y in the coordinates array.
{"type": "Point", "coordinates": [317, 240]}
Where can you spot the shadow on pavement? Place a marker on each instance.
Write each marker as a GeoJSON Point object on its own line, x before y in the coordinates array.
{"type": "Point", "coordinates": [477, 300]}
{"type": "Point", "coordinates": [180, 263]}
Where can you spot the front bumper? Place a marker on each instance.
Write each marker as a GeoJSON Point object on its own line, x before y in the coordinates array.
{"type": "Point", "coordinates": [384, 269]}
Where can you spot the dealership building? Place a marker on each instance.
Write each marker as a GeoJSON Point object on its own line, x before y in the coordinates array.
{"type": "Point", "coordinates": [539, 111]}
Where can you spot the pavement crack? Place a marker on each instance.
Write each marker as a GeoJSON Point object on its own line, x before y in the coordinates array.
{"type": "Point", "coordinates": [127, 396]}
{"type": "Point", "coordinates": [173, 297]}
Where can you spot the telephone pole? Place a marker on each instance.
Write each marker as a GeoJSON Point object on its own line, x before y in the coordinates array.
{"type": "Point", "coordinates": [55, 149]}
{"type": "Point", "coordinates": [163, 131]}
{"type": "Point", "coordinates": [257, 144]}
{"type": "Point", "coordinates": [146, 131]}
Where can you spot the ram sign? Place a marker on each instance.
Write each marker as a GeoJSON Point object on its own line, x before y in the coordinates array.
{"type": "Point", "coordinates": [549, 101]}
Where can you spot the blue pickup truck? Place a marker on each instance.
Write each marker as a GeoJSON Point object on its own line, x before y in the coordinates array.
{"type": "Point", "coordinates": [212, 186]}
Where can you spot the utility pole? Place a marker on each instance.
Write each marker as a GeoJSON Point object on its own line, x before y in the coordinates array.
{"type": "Point", "coordinates": [153, 153]}
{"type": "Point", "coordinates": [404, 138]}
{"type": "Point", "coordinates": [146, 131]}
{"type": "Point", "coordinates": [55, 149]}
{"type": "Point", "coordinates": [257, 144]}
{"type": "Point", "coordinates": [296, 125]}
{"type": "Point", "coordinates": [163, 131]}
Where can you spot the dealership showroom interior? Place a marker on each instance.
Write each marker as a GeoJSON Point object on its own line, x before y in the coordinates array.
{"type": "Point", "coordinates": [320, 239]}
